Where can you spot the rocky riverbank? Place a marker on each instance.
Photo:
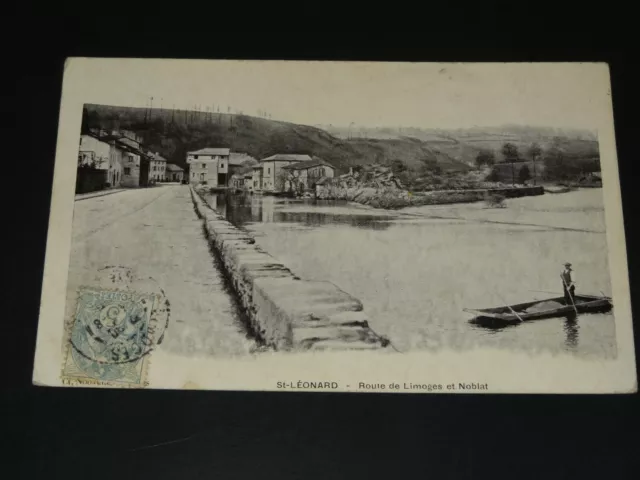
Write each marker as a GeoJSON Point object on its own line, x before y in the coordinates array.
{"type": "Point", "coordinates": [379, 188]}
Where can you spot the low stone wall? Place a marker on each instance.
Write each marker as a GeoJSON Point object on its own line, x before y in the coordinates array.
{"type": "Point", "coordinates": [285, 311]}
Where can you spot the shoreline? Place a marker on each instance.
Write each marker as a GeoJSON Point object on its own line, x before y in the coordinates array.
{"type": "Point", "coordinates": [395, 199]}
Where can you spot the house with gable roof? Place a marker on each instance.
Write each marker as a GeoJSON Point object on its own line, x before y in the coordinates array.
{"type": "Point", "coordinates": [302, 176]}
{"type": "Point", "coordinates": [271, 176]}
{"type": "Point", "coordinates": [209, 166]}
{"type": "Point", "coordinates": [158, 167]}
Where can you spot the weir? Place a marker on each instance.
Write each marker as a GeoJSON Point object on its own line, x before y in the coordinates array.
{"type": "Point", "coordinates": [285, 311]}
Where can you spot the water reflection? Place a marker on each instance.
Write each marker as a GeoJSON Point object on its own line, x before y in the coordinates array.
{"type": "Point", "coordinates": [415, 275]}
{"type": "Point", "coordinates": [571, 331]}
{"type": "Point", "coordinates": [242, 209]}
{"type": "Point", "coordinates": [492, 324]}
{"type": "Point", "coordinates": [496, 325]}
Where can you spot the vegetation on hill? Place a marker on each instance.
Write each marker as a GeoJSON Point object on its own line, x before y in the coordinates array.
{"type": "Point", "coordinates": [174, 132]}
{"type": "Point", "coordinates": [422, 159]}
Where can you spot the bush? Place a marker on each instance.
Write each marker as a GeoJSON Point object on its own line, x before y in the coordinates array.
{"type": "Point", "coordinates": [524, 175]}
{"type": "Point", "coordinates": [494, 175]}
{"type": "Point", "coordinates": [495, 200]}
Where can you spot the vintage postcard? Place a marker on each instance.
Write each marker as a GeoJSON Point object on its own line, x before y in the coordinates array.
{"type": "Point", "coordinates": [336, 226]}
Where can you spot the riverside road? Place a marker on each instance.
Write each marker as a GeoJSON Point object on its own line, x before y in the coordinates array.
{"type": "Point", "coordinates": [155, 235]}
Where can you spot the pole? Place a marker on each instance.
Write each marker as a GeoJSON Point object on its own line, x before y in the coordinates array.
{"type": "Point", "coordinates": [512, 310]}
{"type": "Point", "coordinates": [570, 296]}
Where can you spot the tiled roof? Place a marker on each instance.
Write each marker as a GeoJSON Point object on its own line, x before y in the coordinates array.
{"type": "Point", "coordinates": [210, 151]}
{"type": "Point", "coordinates": [174, 168]}
{"type": "Point", "coordinates": [239, 158]}
{"type": "Point", "coordinates": [309, 164]}
{"type": "Point", "coordinates": [129, 148]}
{"type": "Point", "coordinates": [289, 157]}
{"type": "Point", "coordinates": [157, 157]}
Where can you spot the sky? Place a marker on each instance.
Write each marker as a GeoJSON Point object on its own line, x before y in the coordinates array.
{"type": "Point", "coordinates": [368, 94]}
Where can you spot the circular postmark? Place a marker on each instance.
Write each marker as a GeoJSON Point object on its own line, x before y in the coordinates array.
{"type": "Point", "coordinates": [113, 330]}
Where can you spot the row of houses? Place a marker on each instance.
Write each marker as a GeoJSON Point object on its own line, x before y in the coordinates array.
{"type": "Point", "coordinates": [219, 167]}
{"type": "Point", "coordinates": [119, 159]}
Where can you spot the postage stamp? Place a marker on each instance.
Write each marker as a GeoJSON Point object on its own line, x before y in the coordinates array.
{"type": "Point", "coordinates": [111, 336]}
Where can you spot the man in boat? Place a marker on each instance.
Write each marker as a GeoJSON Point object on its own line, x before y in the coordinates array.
{"type": "Point", "coordinates": [568, 284]}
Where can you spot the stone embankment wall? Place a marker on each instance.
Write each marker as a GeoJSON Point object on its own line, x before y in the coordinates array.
{"type": "Point", "coordinates": [285, 312]}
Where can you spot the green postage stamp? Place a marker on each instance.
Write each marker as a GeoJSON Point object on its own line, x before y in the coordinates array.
{"type": "Point", "coordinates": [110, 337]}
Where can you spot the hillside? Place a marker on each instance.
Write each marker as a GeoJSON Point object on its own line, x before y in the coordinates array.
{"type": "Point", "coordinates": [174, 132]}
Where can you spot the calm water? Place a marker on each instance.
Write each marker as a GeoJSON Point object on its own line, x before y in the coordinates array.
{"type": "Point", "coordinates": [415, 270]}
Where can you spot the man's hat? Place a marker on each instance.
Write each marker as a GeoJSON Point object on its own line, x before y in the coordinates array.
{"type": "Point", "coordinates": [567, 264]}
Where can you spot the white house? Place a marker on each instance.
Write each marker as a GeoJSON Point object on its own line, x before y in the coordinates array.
{"type": "Point", "coordinates": [209, 166]}
{"type": "Point", "coordinates": [272, 169]}
{"type": "Point", "coordinates": [131, 167]}
{"type": "Point", "coordinates": [304, 175]}
{"type": "Point", "coordinates": [102, 155]}
{"type": "Point", "coordinates": [248, 181]}
{"type": "Point", "coordinates": [174, 173]}
{"type": "Point", "coordinates": [256, 178]}
{"type": "Point", "coordinates": [93, 152]}
{"type": "Point", "coordinates": [157, 167]}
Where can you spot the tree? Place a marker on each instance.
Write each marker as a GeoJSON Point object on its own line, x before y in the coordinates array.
{"type": "Point", "coordinates": [534, 152]}
{"type": "Point", "coordinates": [560, 166]}
{"type": "Point", "coordinates": [524, 175]}
{"type": "Point", "coordinates": [511, 154]}
{"type": "Point", "coordinates": [494, 176]}
{"type": "Point", "coordinates": [485, 157]}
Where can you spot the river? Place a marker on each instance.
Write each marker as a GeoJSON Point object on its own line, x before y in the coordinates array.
{"type": "Point", "coordinates": [416, 269]}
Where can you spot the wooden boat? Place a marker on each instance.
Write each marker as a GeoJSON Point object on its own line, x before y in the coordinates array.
{"type": "Point", "coordinates": [539, 309]}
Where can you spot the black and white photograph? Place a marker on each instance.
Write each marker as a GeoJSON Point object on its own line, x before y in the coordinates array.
{"type": "Point", "coordinates": [336, 226]}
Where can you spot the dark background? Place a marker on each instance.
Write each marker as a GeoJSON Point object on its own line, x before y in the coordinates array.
{"type": "Point", "coordinates": [171, 434]}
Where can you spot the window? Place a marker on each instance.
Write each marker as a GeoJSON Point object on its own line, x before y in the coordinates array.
{"type": "Point", "coordinates": [127, 171]}
{"type": "Point", "coordinates": [268, 171]}
{"type": "Point", "coordinates": [204, 165]}
{"type": "Point", "coordinates": [195, 156]}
